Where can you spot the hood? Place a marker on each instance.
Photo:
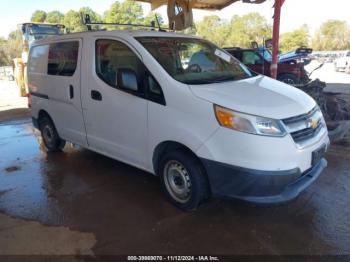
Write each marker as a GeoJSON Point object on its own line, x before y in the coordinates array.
{"type": "Point", "coordinates": [259, 95]}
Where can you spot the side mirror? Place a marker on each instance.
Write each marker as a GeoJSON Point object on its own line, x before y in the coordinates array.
{"type": "Point", "coordinates": [127, 80]}
{"type": "Point", "coordinates": [268, 43]}
{"type": "Point", "coordinates": [254, 45]}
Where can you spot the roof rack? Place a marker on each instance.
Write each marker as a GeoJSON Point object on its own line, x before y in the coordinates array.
{"type": "Point", "coordinates": [87, 21]}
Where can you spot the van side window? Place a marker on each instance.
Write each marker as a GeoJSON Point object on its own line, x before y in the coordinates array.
{"type": "Point", "coordinates": [155, 92]}
{"type": "Point", "coordinates": [63, 58]}
{"type": "Point", "coordinates": [112, 55]}
{"type": "Point", "coordinates": [38, 62]}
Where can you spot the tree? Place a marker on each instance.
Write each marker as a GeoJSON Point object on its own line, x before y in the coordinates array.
{"type": "Point", "coordinates": [214, 29]}
{"type": "Point", "coordinates": [3, 54]}
{"type": "Point", "coordinates": [54, 17]}
{"type": "Point", "coordinates": [248, 28]}
{"type": "Point", "coordinates": [95, 17]}
{"type": "Point", "coordinates": [38, 16]}
{"type": "Point", "coordinates": [332, 35]}
{"type": "Point", "coordinates": [72, 20]}
{"type": "Point", "coordinates": [127, 12]}
{"type": "Point", "coordinates": [240, 31]}
{"type": "Point", "coordinates": [152, 17]}
{"type": "Point", "coordinates": [292, 40]}
{"type": "Point", "coordinates": [10, 48]}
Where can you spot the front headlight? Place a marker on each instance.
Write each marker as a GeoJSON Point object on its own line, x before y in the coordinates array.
{"type": "Point", "coordinates": [248, 123]}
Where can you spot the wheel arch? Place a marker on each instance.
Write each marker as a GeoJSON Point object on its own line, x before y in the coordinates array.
{"type": "Point", "coordinates": [167, 146]}
{"type": "Point", "coordinates": [43, 113]}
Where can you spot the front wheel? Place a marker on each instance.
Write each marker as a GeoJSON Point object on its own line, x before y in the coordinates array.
{"type": "Point", "coordinates": [289, 79]}
{"type": "Point", "coordinates": [50, 136]}
{"type": "Point", "coordinates": [183, 180]}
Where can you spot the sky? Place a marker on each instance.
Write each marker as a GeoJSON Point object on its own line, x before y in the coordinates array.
{"type": "Point", "coordinates": [295, 13]}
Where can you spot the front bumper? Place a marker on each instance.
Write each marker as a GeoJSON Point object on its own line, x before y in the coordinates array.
{"type": "Point", "coordinates": [259, 186]}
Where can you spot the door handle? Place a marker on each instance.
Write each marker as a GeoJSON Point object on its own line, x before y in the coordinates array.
{"type": "Point", "coordinates": [96, 95]}
{"type": "Point", "coordinates": [71, 92]}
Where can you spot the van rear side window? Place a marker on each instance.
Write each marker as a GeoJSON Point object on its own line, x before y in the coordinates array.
{"type": "Point", "coordinates": [38, 62]}
{"type": "Point", "coordinates": [63, 58]}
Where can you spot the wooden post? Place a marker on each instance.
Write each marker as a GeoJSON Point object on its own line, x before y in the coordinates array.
{"type": "Point", "coordinates": [275, 37]}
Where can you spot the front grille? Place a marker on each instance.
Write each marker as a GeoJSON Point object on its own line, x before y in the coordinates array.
{"type": "Point", "coordinates": [300, 118]}
{"type": "Point", "coordinates": [304, 127]}
{"type": "Point", "coordinates": [307, 133]}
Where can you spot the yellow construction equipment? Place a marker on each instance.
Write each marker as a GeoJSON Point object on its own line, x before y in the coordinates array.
{"type": "Point", "coordinates": [31, 32]}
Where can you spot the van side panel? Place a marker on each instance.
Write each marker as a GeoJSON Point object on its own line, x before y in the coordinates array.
{"type": "Point", "coordinates": [55, 88]}
{"type": "Point", "coordinates": [38, 82]}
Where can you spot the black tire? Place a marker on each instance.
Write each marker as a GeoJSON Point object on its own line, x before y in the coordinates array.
{"type": "Point", "coordinates": [289, 79]}
{"type": "Point", "coordinates": [52, 141]}
{"type": "Point", "coordinates": [193, 173]}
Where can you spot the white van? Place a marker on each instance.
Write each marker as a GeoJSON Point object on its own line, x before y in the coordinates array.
{"type": "Point", "coordinates": [181, 108]}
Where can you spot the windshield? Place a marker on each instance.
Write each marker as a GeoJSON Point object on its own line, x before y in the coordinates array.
{"type": "Point", "coordinates": [266, 54]}
{"type": "Point", "coordinates": [194, 61]}
{"type": "Point", "coordinates": [36, 32]}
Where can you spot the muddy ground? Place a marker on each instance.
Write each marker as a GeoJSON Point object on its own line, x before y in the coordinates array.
{"type": "Point", "coordinates": [80, 202]}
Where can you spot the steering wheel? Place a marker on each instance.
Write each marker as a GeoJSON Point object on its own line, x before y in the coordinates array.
{"type": "Point", "coordinates": [194, 68]}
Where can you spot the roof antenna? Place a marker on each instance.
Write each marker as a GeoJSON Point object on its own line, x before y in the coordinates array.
{"type": "Point", "coordinates": [159, 28]}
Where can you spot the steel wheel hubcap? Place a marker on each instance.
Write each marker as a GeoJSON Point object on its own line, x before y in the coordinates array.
{"type": "Point", "coordinates": [48, 134]}
{"type": "Point", "coordinates": [289, 81]}
{"type": "Point", "coordinates": [177, 181]}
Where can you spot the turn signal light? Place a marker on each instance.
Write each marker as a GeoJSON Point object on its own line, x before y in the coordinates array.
{"type": "Point", "coordinates": [225, 117]}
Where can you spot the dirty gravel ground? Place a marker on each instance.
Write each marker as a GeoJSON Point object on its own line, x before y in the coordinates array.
{"type": "Point", "coordinates": [78, 202]}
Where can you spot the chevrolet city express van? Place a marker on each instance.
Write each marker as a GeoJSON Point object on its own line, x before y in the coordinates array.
{"type": "Point", "coordinates": [181, 108]}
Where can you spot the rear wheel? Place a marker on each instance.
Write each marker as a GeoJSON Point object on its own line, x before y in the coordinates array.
{"type": "Point", "coordinates": [289, 79]}
{"type": "Point", "coordinates": [50, 136]}
{"type": "Point", "coordinates": [183, 180]}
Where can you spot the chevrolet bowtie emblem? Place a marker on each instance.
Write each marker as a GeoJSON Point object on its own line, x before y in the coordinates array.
{"type": "Point", "coordinates": [312, 123]}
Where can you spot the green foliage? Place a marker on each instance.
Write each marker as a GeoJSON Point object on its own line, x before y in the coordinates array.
{"type": "Point", "coordinates": [240, 31]}
{"type": "Point", "coordinates": [38, 16]}
{"type": "Point", "coordinates": [10, 48]}
{"type": "Point", "coordinates": [214, 29]}
{"type": "Point", "coordinates": [248, 28]}
{"type": "Point", "coordinates": [292, 40]}
{"type": "Point", "coordinates": [72, 20]}
{"type": "Point", "coordinates": [152, 17]}
{"type": "Point", "coordinates": [127, 12]}
{"type": "Point", "coordinates": [3, 53]}
{"type": "Point", "coordinates": [332, 35]}
{"type": "Point", "coordinates": [95, 17]}
{"type": "Point", "coordinates": [54, 17]}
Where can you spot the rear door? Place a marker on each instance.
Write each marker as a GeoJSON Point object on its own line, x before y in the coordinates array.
{"type": "Point", "coordinates": [63, 73]}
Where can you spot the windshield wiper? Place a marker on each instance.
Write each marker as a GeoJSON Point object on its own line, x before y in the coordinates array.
{"type": "Point", "coordinates": [209, 81]}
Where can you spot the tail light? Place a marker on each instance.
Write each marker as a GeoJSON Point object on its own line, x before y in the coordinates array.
{"type": "Point", "coordinates": [29, 100]}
